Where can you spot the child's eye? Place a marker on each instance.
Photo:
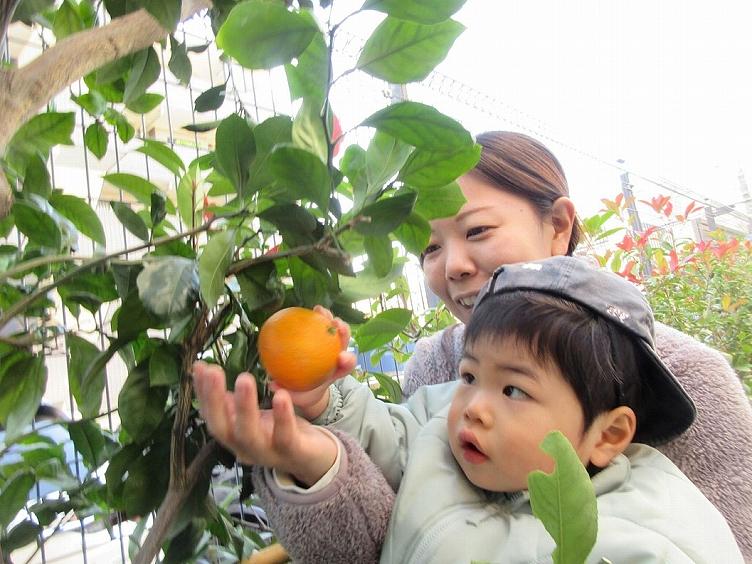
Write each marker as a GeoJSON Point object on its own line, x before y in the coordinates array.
{"type": "Point", "coordinates": [430, 249]}
{"type": "Point", "coordinates": [474, 231]}
{"type": "Point", "coordinates": [515, 393]}
{"type": "Point", "coordinates": [467, 378]}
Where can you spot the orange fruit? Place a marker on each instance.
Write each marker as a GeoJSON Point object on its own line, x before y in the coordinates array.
{"type": "Point", "coordinates": [299, 348]}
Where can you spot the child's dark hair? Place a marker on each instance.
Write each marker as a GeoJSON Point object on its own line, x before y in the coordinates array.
{"type": "Point", "coordinates": [599, 361]}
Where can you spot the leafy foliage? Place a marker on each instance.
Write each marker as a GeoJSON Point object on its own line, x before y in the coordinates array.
{"type": "Point", "coordinates": [701, 288]}
{"type": "Point", "coordinates": [271, 217]}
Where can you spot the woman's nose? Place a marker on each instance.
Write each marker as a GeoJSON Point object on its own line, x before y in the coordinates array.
{"type": "Point", "coordinates": [459, 263]}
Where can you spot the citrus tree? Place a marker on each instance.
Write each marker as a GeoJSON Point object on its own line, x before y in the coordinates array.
{"type": "Point", "coordinates": [700, 288]}
{"type": "Point", "coordinates": [281, 222]}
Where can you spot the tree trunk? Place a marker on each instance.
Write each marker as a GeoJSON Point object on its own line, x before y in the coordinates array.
{"type": "Point", "coordinates": [24, 91]}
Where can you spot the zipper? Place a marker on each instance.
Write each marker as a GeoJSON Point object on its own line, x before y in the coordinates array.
{"type": "Point", "coordinates": [441, 524]}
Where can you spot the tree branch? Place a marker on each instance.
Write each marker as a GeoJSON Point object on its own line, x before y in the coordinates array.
{"type": "Point", "coordinates": [24, 91]}
{"type": "Point", "coordinates": [172, 503]}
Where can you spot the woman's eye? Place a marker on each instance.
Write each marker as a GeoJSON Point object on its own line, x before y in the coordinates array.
{"type": "Point", "coordinates": [474, 231]}
{"type": "Point", "coordinates": [430, 249]}
{"type": "Point", "coordinates": [467, 378]}
{"type": "Point", "coordinates": [514, 392]}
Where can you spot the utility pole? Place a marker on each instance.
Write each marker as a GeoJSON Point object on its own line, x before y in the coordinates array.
{"type": "Point", "coordinates": [744, 189]}
{"type": "Point", "coordinates": [635, 223]}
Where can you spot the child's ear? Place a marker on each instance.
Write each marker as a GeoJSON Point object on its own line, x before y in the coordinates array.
{"type": "Point", "coordinates": [615, 428]}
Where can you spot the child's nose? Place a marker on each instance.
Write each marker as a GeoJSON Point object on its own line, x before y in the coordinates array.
{"type": "Point", "coordinates": [478, 410]}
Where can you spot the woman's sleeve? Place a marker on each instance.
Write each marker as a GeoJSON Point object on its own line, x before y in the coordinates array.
{"type": "Point", "coordinates": [716, 452]}
{"type": "Point", "coordinates": [345, 522]}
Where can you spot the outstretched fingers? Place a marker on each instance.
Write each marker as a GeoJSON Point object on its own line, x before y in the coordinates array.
{"type": "Point", "coordinates": [213, 400]}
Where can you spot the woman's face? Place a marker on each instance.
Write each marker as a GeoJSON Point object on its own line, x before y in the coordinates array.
{"type": "Point", "coordinates": [494, 227]}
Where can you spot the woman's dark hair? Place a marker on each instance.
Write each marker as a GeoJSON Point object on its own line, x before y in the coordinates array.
{"type": "Point", "coordinates": [524, 167]}
{"type": "Point", "coordinates": [599, 361]}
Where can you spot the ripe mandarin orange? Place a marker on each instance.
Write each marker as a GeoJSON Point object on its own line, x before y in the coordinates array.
{"type": "Point", "coordinates": [299, 348]}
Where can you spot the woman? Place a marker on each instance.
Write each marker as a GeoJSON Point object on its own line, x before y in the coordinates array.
{"type": "Point", "coordinates": [518, 209]}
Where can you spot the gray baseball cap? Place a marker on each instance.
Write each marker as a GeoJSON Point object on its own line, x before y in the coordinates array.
{"type": "Point", "coordinates": [669, 411]}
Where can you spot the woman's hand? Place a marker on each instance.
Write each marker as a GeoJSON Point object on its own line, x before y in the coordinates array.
{"type": "Point", "coordinates": [275, 438]}
{"type": "Point", "coordinates": [313, 403]}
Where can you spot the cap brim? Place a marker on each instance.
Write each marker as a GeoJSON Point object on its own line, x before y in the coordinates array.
{"type": "Point", "coordinates": [672, 413]}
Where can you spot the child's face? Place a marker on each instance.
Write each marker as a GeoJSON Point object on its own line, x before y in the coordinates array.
{"type": "Point", "coordinates": [506, 403]}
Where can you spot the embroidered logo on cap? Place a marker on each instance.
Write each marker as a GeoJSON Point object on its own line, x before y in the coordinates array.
{"type": "Point", "coordinates": [618, 313]}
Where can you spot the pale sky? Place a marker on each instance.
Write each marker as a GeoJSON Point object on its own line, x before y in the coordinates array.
{"type": "Point", "coordinates": [665, 85]}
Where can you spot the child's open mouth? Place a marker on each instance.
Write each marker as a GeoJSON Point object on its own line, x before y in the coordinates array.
{"type": "Point", "coordinates": [470, 450]}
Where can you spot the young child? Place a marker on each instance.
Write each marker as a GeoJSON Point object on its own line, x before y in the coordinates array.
{"type": "Point", "coordinates": [551, 345]}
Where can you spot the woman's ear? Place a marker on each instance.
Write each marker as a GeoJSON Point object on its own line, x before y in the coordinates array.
{"type": "Point", "coordinates": [615, 430]}
{"type": "Point", "coordinates": [562, 218]}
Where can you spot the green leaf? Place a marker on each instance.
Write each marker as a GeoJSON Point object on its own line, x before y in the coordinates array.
{"type": "Point", "coordinates": [268, 133]}
{"type": "Point", "coordinates": [388, 387]}
{"type": "Point", "coordinates": [212, 265]}
{"type": "Point", "coordinates": [145, 103]}
{"type": "Point", "coordinates": [202, 127]}
{"type": "Point", "coordinates": [211, 100]}
{"type": "Point", "coordinates": [144, 71]}
{"type": "Point", "coordinates": [166, 12]}
{"type": "Point", "coordinates": [130, 220]}
{"type": "Point", "coordinates": [86, 385]}
{"type": "Point", "coordinates": [353, 165]}
{"type": "Point", "coordinates": [42, 132]}
{"type": "Point", "coordinates": [163, 155]}
{"type": "Point", "coordinates": [421, 126]}
{"type": "Point", "coordinates": [187, 196]}
{"type": "Point", "coordinates": [384, 158]}
{"type": "Point", "coordinates": [262, 35]}
{"type": "Point", "coordinates": [28, 8]}
{"type": "Point", "coordinates": [141, 407]}
{"type": "Point", "coordinates": [302, 174]}
{"type": "Point", "coordinates": [420, 11]}
{"type": "Point", "coordinates": [157, 211]}
{"type": "Point", "coordinates": [67, 21]}
{"type": "Point", "coordinates": [443, 201]}
{"type": "Point", "coordinates": [168, 286]}
{"type": "Point", "coordinates": [565, 501]}
{"type": "Point", "coordinates": [21, 535]}
{"type": "Point", "coordinates": [38, 225]}
{"type": "Point", "coordinates": [13, 496]}
{"type": "Point", "coordinates": [308, 78]}
{"type": "Point", "coordinates": [297, 225]}
{"type": "Point", "coordinates": [89, 289]}
{"type": "Point", "coordinates": [179, 64]}
{"type": "Point", "coordinates": [21, 393]}
{"type": "Point", "coordinates": [368, 285]}
{"type": "Point", "coordinates": [380, 254]}
{"type": "Point", "coordinates": [414, 234]}
{"type": "Point", "coordinates": [138, 187]}
{"type": "Point", "coordinates": [260, 286]}
{"type": "Point", "coordinates": [386, 214]}
{"type": "Point", "coordinates": [401, 51]}
{"type": "Point", "coordinates": [308, 131]}
{"type": "Point", "coordinates": [235, 149]}
{"type": "Point", "coordinates": [96, 139]}
{"type": "Point", "coordinates": [164, 366]}
{"type": "Point", "coordinates": [123, 127]}
{"type": "Point", "coordinates": [91, 443]}
{"type": "Point", "coordinates": [144, 488]}
{"type": "Point", "coordinates": [37, 178]}
{"type": "Point", "coordinates": [382, 329]}
{"type": "Point", "coordinates": [93, 102]}
{"type": "Point", "coordinates": [427, 169]}
{"type": "Point", "coordinates": [237, 359]}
